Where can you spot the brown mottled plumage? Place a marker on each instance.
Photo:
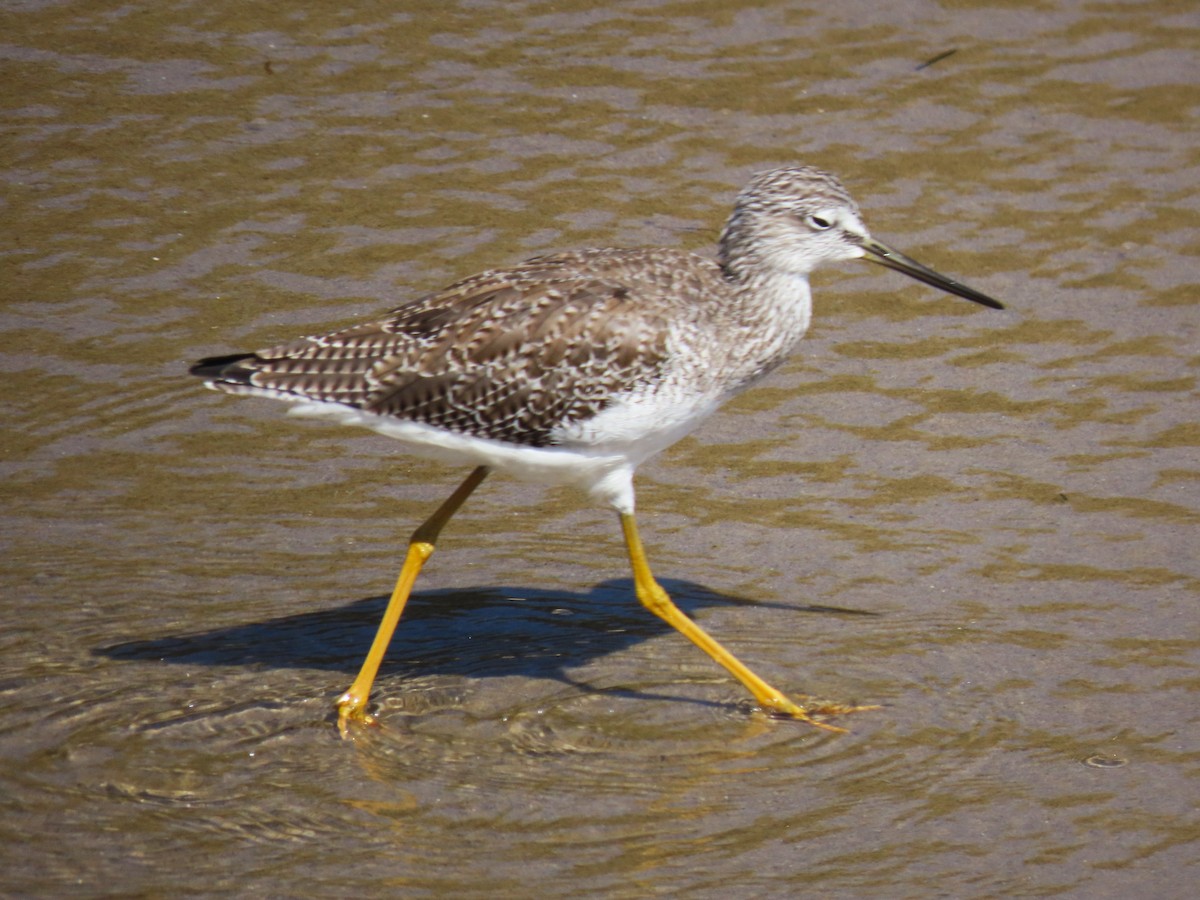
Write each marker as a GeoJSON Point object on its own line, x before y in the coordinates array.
{"type": "Point", "coordinates": [575, 368]}
{"type": "Point", "coordinates": [509, 355]}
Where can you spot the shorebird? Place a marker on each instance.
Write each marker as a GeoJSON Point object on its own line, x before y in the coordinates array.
{"type": "Point", "coordinates": [577, 367]}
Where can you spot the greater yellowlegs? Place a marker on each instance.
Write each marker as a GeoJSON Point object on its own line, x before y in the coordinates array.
{"type": "Point", "coordinates": [575, 368]}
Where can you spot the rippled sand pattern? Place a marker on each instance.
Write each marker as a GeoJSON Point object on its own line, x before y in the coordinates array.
{"type": "Point", "coordinates": [986, 522]}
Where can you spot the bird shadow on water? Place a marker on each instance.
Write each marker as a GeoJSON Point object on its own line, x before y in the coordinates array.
{"type": "Point", "coordinates": [477, 632]}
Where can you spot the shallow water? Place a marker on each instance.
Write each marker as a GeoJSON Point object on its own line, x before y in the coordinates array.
{"type": "Point", "coordinates": [985, 522]}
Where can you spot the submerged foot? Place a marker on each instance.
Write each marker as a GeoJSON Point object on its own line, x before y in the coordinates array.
{"type": "Point", "coordinates": [813, 713]}
{"type": "Point", "coordinates": [352, 711]}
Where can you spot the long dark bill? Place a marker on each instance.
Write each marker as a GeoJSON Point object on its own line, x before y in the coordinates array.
{"type": "Point", "coordinates": [878, 252]}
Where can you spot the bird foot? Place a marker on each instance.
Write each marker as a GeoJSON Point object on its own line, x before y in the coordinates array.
{"type": "Point", "coordinates": [814, 712]}
{"type": "Point", "coordinates": [352, 712]}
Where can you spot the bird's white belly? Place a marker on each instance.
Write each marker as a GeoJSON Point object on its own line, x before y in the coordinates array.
{"type": "Point", "coordinates": [598, 456]}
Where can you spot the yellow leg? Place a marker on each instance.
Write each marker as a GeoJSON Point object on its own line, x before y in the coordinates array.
{"type": "Point", "coordinates": [352, 705]}
{"type": "Point", "coordinates": [655, 599]}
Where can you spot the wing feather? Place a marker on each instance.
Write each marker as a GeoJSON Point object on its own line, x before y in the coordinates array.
{"type": "Point", "coordinates": [510, 355]}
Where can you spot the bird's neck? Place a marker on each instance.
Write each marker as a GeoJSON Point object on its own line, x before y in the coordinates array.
{"type": "Point", "coordinates": [769, 299]}
{"type": "Point", "coordinates": [771, 310]}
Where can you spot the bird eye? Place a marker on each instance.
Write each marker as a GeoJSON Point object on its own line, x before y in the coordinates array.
{"type": "Point", "coordinates": [818, 223]}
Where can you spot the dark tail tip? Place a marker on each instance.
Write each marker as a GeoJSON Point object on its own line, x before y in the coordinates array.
{"type": "Point", "coordinates": [222, 367]}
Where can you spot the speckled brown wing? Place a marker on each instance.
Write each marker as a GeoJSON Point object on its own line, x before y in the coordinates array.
{"type": "Point", "coordinates": [508, 355]}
